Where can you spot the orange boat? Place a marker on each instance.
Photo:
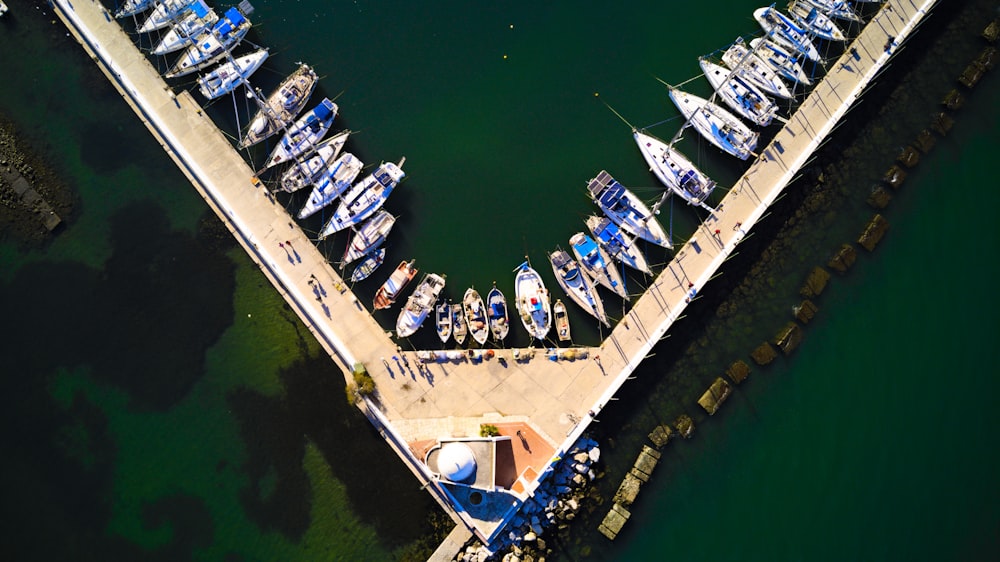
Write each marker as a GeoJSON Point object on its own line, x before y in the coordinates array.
{"type": "Point", "coordinates": [394, 285]}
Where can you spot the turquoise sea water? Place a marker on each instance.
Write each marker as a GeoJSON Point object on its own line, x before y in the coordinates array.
{"type": "Point", "coordinates": [163, 403]}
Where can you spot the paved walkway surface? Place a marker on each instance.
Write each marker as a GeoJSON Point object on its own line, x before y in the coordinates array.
{"type": "Point", "coordinates": [557, 398]}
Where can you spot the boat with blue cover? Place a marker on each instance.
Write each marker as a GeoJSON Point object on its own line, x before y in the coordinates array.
{"type": "Point", "coordinates": [368, 265]}
{"type": "Point", "coordinates": [577, 285]}
{"type": "Point", "coordinates": [198, 18]}
{"type": "Point", "coordinates": [227, 77]}
{"type": "Point", "coordinates": [784, 31]}
{"type": "Point", "coordinates": [811, 18]}
{"type": "Point", "coordinates": [309, 171]}
{"type": "Point", "coordinates": [302, 137]}
{"type": "Point", "coordinates": [281, 107]}
{"type": "Point", "coordinates": [369, 237]}
{"type": "Point", "coordinates": [717, 125]}
{"type": "Point", "coordinates": [419, 305]}
{"type": "Point", "coordinates": [626, 209]}
{"type": "Point", "coordinates": [212, 44]}
{"type": "Point", "coordinates": [741, 95]}
{"type": "Point", "coordinates": [838, 9]}
{"type": "Point", "coordinates": [617, 244]}
{"type": "Point", "coordinates": [596, 263]}
{"type": "Point", "coordinates": [532, 302]}
{"type": "Point", "coordinates": [781, 60]}
{"type": "Point", "coordinates": [337, 179]}
{"type": "Point", "coordinates": [674, 170]}
{"type": "Point", "coordinates": [499, 320]}
{"type": "Point", "coordinates": [752, 68]}
{"type": "Point", "coordinates": [366, 197]}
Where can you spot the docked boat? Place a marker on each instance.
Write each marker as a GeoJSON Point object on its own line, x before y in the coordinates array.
{"type": "Point", "coordinates": [739, 93]}
{"type": "Point", "coordinates": [562, 321]}
{"type": "Point", "coordinates": [282, 105]}
{"type": "Point", "coordinates": [165, 13]}
{"type": "Point", "coordinates": [752, 68]}
{"type": "Point", "coordinates": [3, 8]}
{"type": "Point", "coordinates": [305, 134]}
{"type": "Point", "coordinates": [309, 171]}
{"type": "Point", "coordinates": [673, 169]}
{"type": "Point", "coordinates": [419, 305]}
{"type": "Point", "coordinates": [195, 21]}
{"type": "Point", "coordinates": [212, 44]}
{"type": "Point", "coordinates": [626, 209]}
{"type": "Point", "coordinates": [499, 320]}
{"type": "Point", "coordinates": [785, 31]}
{"type": "Point", "coordinates": [369, 237]}
{"type": "Point", "coordinates": [783, 62]}
{"type": "Point", "coordinates": [596, 263]}
{"type": "Point", "coordinates": [459, 327]}
{"type": "Point", "coordinates": [838, 9]}
{"type": "Point", "coordinates": [812, 19]}
{"type": "Point", "coordinates": [718, 126]}
{"type": "Point", "coordinates": [366, 197]}
{"type": "Point", "coordinates": [133, 7]}
{"type": "Point", "coordinates": [394, 285]}
{"type": "Point", "coordinates": [617, 244]}
{"type": "Point", "coordinates": [368, 265]}
{"type": "Point", "coordinates": [442, 320]}
{"type": "Point", "coordinates": [577, 284]}
{"type": "Point", "coordinates": [334, 181]}
{"type": "Point", "coordinates": [475, 316]}
{"type": "Point", "coordinates": [227, 77]}
{"type": "Point", "coordinates": [533, 304]}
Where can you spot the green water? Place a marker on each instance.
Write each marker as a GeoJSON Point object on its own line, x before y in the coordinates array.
{"type": "Point", "coordinates": [162, 401]}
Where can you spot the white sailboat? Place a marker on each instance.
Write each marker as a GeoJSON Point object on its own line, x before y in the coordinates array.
{"type": "Point", "coordinates": [577, 285]}
{"type": "Point", "coordinates": [369, 237]}
{"type": "Point", "coordinates": [811, 18]}
{"type": "Point", "coordinates": [309, 171]}
{"type": "Point", "coordinates": [305, 134]}
{"type": "Point", "coordinates": [718, 126]}
{"type": "Point", "coordinates": [165, 13]}
{"type": "Point", "coordinates": [783, 62]}
{"type": "Point", "coordinates": [783, 30]}
{"type": "Point", "coordinates": [617, 244]}
{"type": "Point", "coordinates": [227, 77]}
{"type": "Point", "coordinates": [282, 105]}
{"type": "Point", "coordinates": [366, 197]}
{"type": "Point", "coordinates": [419, 305]}
{"type": "Point", "coordinates": [334, 181]}
{"type": "Point", "coordinates": [596, 263]}
{"type": "Point", "coordinates": [195, 21]}
{"type": "Point", "coordinates": [674, 170]}
{"type": "Point", "coordinates": [739, 94]}
{"type": "Point", "coordinates": [212, 44]}
{"type": "Point", "coordinates": [751, 67]}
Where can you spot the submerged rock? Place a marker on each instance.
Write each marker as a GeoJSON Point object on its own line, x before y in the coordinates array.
{"type": "Point", "coordinates": [925, 141]}
{"type": "Point", "coordinates": [789, 338]}
{"type": "Point", "coordinates": [909, 157]}
{"type": "Point", "coordinates": [715, 396]}
{"type": "Point", "coordinates": [992, 31]}
{"type": "Point", "coordinates": [942, 123]}
{"type": "Point", "coordinates": [987, 58]}
{"type": "Point", "coordinates": [879, 197]}
{"type": "Point", "coordinates": [894, 176]}
{"type": "Point", "coordinates": [953, 100]}
{"type": "Point", "coordinates": [684, 425]}
{"type": "Point", "coordinates": [661, 435]}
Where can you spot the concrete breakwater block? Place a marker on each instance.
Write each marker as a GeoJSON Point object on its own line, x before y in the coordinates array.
{"type": "Point", "coordinates": [788, 338]}
{"type": "Point", "coordinates": [942, 123]}
{"type": "Point", "coordinates": [661, 435]}
{"type": "Point", "coordinates": [715, 396]}
{"type": "Point", "coordinates": [843, 259]}
{"type": "Point", "coordinates": [909, 157]}
{"type": "Point", "coordinates": [894, 176]}
{"type": "Point", "coordinates": [738, 371]}
{"type": "Point", "coordinates": [988, 58]}
{"type": "Point", "coordinates": [764, 354]}
{"type": "Point", "coordinates": [879, 197]}
{"type": "Point", "coordinates": [614, 521]}
{"type": "Point", "coordinates": [684, 426]}
{"type": "Point", "coordinates": [873, 233]}
{"type": "Point", "coordinates": [815, 283]}
{"type": "Point", "coordinates": [953, 100]}
{"type": "Point", "coordinates": [971, 75]}
{"type": "Point", "coordinates": [925, 141]}
{"type": "Point", "coordinates": [628, 490]}
{"type": "Point", "coordinates": [645, 463]}
{"type": "Point", "coordinates": [806, 311]}
{"type": "Point", "coordinates": [992, 31]}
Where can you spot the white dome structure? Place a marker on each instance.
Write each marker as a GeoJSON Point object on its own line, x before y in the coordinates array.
{"type": "Point", "coordinates": [456, 462]}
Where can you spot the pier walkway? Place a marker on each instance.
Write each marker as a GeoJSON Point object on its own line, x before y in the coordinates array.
{"type": "Point", "coordinates": [553, 401]}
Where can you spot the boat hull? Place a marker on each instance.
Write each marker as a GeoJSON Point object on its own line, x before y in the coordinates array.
{"type": "Point", "coordinates": [499, 320]}
{"type": "Point", "coordinates": [674, 170]}
{"type": "Point", "coordinates": [532, 300]}
{"type": "Point", "coordinates": [475, 316]}
{"type": "Point", "coordinates": [618, 244]}
{"type": "Point", "coordinates": [334, 182]}
{"type": "Point", "coordinates": [362, 200]}
{"type": "Point", "coordinates": [282, 105]}
{"type": "Point", "coordinates": [577, 285]}
{"type": "Point", "coordinates": [716, 125]}
{"type": "Point", "coordinates": [230, 75]}
{"type": "Point", "coordinates": [626, 209]}
{"type": "Point", "coordinates": [389, 291]}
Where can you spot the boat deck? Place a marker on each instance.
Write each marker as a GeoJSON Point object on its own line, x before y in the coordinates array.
{"type": "Point", "coordinates": [556, 399]}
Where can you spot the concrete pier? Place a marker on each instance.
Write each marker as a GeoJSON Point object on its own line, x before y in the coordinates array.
{"type": "Point", "coordinates": [546, 403]}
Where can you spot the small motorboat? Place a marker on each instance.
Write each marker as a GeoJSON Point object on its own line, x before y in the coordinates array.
{"type": "Point", "coordinates": [562, 321]}
{"type": "Point", "coordinates": [368, 265]}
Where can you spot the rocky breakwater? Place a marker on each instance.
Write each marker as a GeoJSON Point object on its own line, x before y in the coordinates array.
{"type": "Point", "coordinates": [32, 198]}
{"type": "Point", "coordinates": [548, 511]}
